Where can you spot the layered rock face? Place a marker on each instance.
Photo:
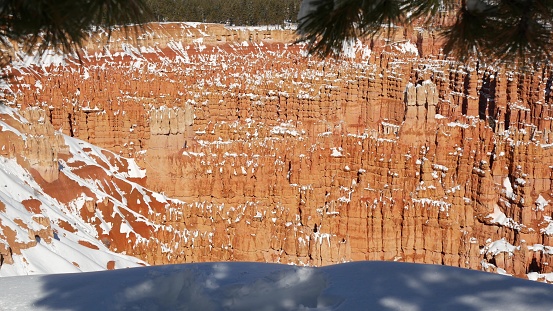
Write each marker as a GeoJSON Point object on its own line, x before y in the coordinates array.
{"type": "Point", "coordinates": [392, 153]}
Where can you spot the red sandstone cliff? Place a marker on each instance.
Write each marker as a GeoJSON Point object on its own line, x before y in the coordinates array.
{"type": "Point", "coordinates": [395, 154]}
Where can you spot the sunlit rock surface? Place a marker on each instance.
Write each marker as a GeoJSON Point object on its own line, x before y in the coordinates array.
{"type": "Point", "coordinates": [391, 153]}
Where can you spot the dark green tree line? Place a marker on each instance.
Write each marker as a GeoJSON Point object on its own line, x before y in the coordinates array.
{"type": "Point", "coordinates": [233, 12]}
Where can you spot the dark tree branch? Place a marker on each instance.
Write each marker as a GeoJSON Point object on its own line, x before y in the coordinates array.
{"type": "Point", "coordinates": [38, 25]}
{"type": "Point", "coordinates": [494, 30]}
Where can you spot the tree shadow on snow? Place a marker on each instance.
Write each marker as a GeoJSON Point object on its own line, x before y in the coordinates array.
{"type": "Point", "coordinates": [219, 286]}
{"type": "Point", "coordinates": [418, 287]}
{"type": "Point", "coordinates": [255, 286]}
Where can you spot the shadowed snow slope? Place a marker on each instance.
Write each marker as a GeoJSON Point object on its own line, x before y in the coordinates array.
{"type": "Point", "coordinates": [258, 286]}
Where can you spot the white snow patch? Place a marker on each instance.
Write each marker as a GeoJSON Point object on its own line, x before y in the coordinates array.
{"type": "Point", "coordinates": [336, 152]}
{"type": "Point", "coordinates": [541, 203]}
{"type": "Point", "coordinates": [499, 246]}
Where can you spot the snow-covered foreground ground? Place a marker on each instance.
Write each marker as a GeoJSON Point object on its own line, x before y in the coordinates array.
{"type": "Point", "coordinates": [258, 286]}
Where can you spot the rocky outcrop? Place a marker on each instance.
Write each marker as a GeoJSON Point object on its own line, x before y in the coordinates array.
{"type": "Point", "coordinates": [392, 154]}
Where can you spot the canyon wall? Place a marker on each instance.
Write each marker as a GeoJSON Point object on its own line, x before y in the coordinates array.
{"type": "Point", "coordinates": [391, 153]}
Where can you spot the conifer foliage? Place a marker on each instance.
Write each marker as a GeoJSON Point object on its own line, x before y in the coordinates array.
{"type": "Point", "coordinates": [62, 24]}
{"type": "Point", "coordinates": [496, 30]}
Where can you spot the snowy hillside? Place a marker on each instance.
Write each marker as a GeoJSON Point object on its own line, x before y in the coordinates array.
{"type": "Point", "coordinates": [257, 286]}
{"type": "Point", "coordinates": [68, 250]}
{"type": "Point", "coordinates": [78, 222]}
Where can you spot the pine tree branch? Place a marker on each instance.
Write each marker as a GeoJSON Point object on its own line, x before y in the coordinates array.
{"type": "Point", "coordinates": [38, 25]}
{"type": "Point", "coordinates": [493, 30]}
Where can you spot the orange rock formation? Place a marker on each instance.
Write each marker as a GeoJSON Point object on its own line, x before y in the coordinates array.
{"type": "Point", "coordinates": [392, 154]}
